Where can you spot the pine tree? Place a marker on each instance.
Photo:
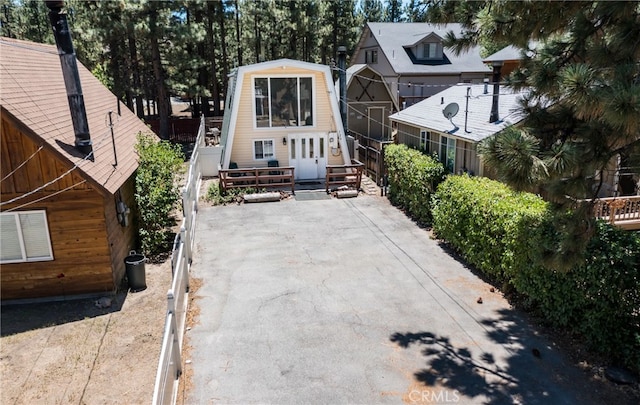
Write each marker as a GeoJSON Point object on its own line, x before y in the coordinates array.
{"type": "Point", "coordinates": [371, 11]}
{"type": "Point", "coordinates": [580, 64]}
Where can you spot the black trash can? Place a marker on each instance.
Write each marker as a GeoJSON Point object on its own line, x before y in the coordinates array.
{"type": "Point", "coordinates": [134, 264]}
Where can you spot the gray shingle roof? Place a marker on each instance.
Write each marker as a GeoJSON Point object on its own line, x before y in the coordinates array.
{"type": "Point", "coordinates": [393, 37]}
{"type": "Point", "coordinates": [33, 91]}
{"type": "Point", "coordinates": [427, 114]}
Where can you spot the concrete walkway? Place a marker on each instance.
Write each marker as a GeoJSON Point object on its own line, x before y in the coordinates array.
{"type": "Point", "coordinates": [347, 301]}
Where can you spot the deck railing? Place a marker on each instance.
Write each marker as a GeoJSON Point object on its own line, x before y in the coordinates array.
{"type": "Point", "coordinates": [344, 175]}
{"type": "Point", "coordinates": [263, 177]}
{"type": "Point", "coordinates": [170, 362]}
{"type": "Point", "coordinates": [620, 211]}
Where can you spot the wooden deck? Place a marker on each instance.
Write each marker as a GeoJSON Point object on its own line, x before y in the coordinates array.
{"type": "Point", "coordinates": [619, 211]}
{"type": "Point", "coordinates": [262, 177]}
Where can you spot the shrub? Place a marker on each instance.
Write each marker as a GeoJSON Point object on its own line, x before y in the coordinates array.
{"type": "Point", "coordinates": [413, 177]}
{"type": "Point", "coordinates": [488, 223]}
{"type": "Point", "coordinates": [157, 191]}
{"type": "Point", "coordinates": [507, 235]}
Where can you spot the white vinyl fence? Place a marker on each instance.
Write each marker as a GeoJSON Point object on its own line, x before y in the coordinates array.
{"type": "Point", "coordinates": [170, 363]}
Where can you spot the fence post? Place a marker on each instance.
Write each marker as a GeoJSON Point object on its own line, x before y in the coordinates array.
{"type": "Point", "coordinates": [186, 240]}
{"type": "Point", "coordinates": [171, 302]}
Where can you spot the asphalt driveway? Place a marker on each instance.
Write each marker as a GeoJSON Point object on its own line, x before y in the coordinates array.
{"type": "Point", "coordinates": [347, 301]}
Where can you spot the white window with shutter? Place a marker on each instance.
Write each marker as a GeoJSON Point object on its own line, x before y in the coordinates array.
{"type": "Point", "coordinates": [24, 237]}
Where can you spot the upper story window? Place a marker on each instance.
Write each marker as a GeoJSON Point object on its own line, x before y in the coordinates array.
{"type": "Point", "coordinates": [283, 101]}
{"type": "Point", "coordinates": [371, 56]}
{"type": "Point", "coordinates": [24, 237]}
{"type": "Point", "coordinates": [428, 50]}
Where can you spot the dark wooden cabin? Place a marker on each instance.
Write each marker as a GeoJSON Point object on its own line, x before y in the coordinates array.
{"type": "Point", "coordinates": [61, 232]}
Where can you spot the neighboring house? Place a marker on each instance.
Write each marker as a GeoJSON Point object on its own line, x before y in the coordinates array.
{"type": "Point", "coordinates": [65, 223]}
{"type": "Point", "coordinates": [508, 59]}
{"type": "Point", "coordinates": [424, 125]}
{"type": "Point", "coordinates": [283, 111]}
{"type": "Point", "coordinates": [413, 62]}
{"type": "Point", "coordinates": [369, 103]}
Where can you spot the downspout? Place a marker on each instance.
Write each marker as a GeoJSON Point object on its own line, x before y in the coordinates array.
{"type": "Point", "coordinates": [62, 35]}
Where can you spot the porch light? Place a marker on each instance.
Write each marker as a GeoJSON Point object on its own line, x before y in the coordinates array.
{"type": "Point", "coordinates": [284, 140]}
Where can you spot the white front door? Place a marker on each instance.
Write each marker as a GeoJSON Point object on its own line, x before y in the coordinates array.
{"type": "Point", "coordinates": [308, 154]}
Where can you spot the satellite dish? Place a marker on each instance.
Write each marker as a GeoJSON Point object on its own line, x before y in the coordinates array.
{"type": "Point", "coordinates": [451, 110]}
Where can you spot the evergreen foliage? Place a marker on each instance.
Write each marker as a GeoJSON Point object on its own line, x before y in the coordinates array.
{"type": "Point", "coordinates": [413, 178]}
{"type": "Point", "coordinates": [582, 113]}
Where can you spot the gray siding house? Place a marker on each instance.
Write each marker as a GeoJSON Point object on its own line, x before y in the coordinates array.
{"type": "Point", "coordinates": [413, 62]}
{"type": "Point", "coordinates": [424, 125]}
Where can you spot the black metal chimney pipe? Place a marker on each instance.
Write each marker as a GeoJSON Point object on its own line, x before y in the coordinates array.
{"type": "Point", "coordinates": [342, 66]}
{"type": "Point", "coordinates": [62, 35]}
{"type": "Point", "coordinates": [495, 116]}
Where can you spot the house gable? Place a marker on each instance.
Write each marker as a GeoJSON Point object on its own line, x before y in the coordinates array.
{"type": "Point", "coordinates": [33, 91]}
{"type": "Point", "coordinates": [245, 127]}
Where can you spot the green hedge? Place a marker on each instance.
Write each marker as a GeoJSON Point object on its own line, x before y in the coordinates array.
{"type": "Point", "coordinates": [504, 234]}
{"type": "Point", "coordinates": [413, 178]}
{"type": "Point", "coordinates": [486, 222]}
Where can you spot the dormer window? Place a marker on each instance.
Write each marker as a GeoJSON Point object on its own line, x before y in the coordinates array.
{"type": "Point", "coordinates": [428, 50]}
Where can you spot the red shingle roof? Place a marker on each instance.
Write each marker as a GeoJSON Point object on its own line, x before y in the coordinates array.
{"type": "Point", "coordinates": [32, 89]}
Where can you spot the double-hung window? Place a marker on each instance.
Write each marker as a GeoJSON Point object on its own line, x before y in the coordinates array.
{"type": "Point", "coordinates": [263, 149]}
{"type": "Point", "coordinates": [283, 101]}
{"type": "Point", "coordinates": [24, 237]}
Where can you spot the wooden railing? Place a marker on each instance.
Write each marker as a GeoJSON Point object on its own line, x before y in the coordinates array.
{"type": "Point", "coordinates": [263, 177]}
{"type": "Point", "coordinates": [619, 211]}
{"type": "Point", "coordinates": [344, 175]}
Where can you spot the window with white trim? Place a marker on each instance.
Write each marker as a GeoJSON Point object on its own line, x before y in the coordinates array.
{"type": "Point", "coordinates": [24, 237]}
{"type": "Point", "coordinates": [263, 149]}
{"type": "Point", "coordinates": [448, 152]}
{"type": "Point", "coordinates": [425, 140]}
{"type": "Point", "coordinates": [285, 101]}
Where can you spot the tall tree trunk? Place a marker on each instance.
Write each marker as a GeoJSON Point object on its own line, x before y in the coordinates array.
{"type": "Point", "coordinates": [135, 69]}
{"type": "Point", "coordinates": [256, 31]}
{"type": "Point", "coordinates": [223, 44]}
{"type": "Point", "coordinates": [238, 45]}
{"type": "Point", "coordinates": [203, 73]}
{"type": "Point", "coordinates": [215, 90]}
{"type": "Point", "coordinates": [163, 105]}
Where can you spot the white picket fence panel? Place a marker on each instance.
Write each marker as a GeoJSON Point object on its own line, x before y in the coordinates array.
{"type": "Point", "coordinates": [170, 362]}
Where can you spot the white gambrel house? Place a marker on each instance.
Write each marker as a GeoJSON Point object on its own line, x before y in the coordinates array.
{"type": "Point", "coordinates": [283, 112]}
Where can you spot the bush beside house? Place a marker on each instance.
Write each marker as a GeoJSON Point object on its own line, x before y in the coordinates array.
{"type": "Point", "coordinates": [157, 191]}
{"type": "Point", "coordinates": [504, 234]}
{"type": "Point", "coordinates": [413, 178]}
